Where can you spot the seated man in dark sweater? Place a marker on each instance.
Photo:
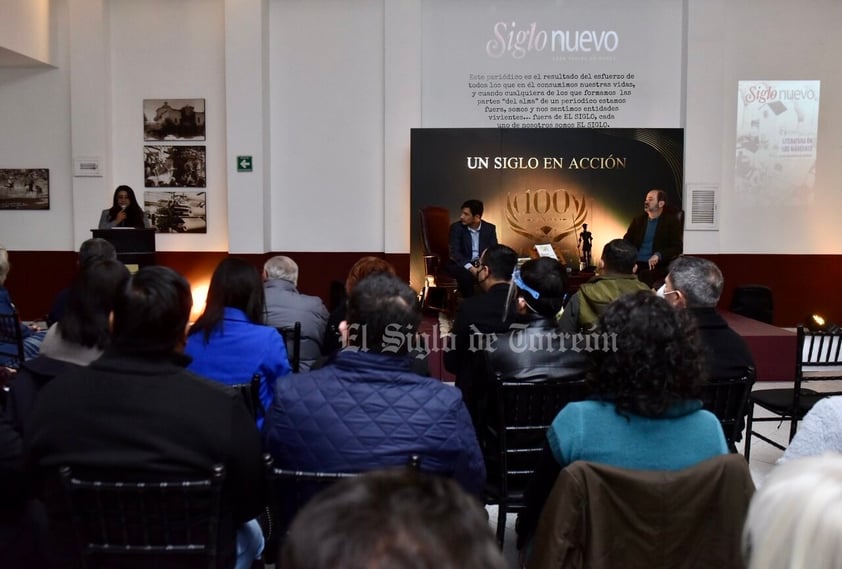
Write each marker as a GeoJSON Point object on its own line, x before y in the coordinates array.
{"type": "Point", "coordinates": [696, 284]}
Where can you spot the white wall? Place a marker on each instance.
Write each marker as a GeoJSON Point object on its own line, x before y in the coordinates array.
{"type": "Point", "coordinates": [341, 86]}
{"type": "Point", "coordinates": [25, 31]}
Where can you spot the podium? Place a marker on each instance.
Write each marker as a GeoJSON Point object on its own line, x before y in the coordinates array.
{"type": "Point", "coordinates": [134, 246]}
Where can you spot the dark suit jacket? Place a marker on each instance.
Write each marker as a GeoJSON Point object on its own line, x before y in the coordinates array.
{"type": "Point", "coordinates": [485, 312]}
{"type": "Point", "coordinates": [726, 352]}
{"type": "Point", "coordinates": [669, 236]}
{"type": "Point", "coordinates": [460, 241]}
{"type": "Point", "coordinates": [147, 417]}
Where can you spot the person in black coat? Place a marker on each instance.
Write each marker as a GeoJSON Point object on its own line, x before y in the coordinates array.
{"type": "Point", "coordinates": [658, 235]}
{"type": "Point", "coordinates": [469, 237]}
{"type": "Point", "coordinates": [487, 313]}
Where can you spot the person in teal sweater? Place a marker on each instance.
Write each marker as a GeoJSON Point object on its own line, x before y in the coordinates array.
{"type": "Point", "coordinates": [644, 414]}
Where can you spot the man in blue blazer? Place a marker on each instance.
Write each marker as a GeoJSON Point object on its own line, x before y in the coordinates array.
{"type": "Point", "coordinates": [469, 237]}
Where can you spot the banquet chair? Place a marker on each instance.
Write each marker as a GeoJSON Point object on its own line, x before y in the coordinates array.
{"type": "Point", "coordinates": [601, 516]}
{"type": "Point", "coordinates": [514, 436]}
{"type": "Point", "coordinates": [292, 340]}
{"type": "Point", "coordinates": [250, 393]}
{"type": "Point", "coordinates": [290, 490]}
{"type": "Point", "coordinates": [818, 357]}
{"type": "Point", "coordinates": [440, 290]}
{"type": "Point", "coordinates": [11, 334]}
{"type": "Point", "coordinates": [728, 400]}
{"type": "Point", "coordinates": [118, 522]}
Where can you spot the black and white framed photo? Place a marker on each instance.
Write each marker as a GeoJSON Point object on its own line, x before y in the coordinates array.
{"type": "Point", "coordinates": [174, 166]}
{"type": "Point", "coordinates": [174, 119]}
{"type": "Point", "coordinates": [25, 188]}
{"type": "Point", "coordinates": [176, 212]}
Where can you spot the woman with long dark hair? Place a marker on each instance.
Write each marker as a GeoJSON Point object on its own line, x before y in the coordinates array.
{"type": "Point", "coordinates": [124, 212]}
{"type": "Point", "coordinates": [229, 342]}
{"type": "Point", "coordinates": [645, 414]}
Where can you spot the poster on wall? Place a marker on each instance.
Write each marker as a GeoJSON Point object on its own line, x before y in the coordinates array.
{"type": "Point", "coordinates": [533, 63]}
{"type": "Point", "coordinates": [777, 132]}
{"type": "Point", "coordinates": [174, 166]}
{"type": "Point", "coordinates": [539, 186]}
{"type": "Point", "coordinates": [25, 188]}
{"type": "Point", "coordinates": [174, 119]}
{"type": "Point", "coordinates": [176, 212]}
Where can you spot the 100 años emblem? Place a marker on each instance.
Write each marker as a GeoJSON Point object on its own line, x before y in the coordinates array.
{"type": "Point", "coordinates": [545, 215]}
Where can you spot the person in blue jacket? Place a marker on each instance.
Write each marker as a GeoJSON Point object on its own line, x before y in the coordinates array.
{"type": "Point", "coordinates": [229, 342]}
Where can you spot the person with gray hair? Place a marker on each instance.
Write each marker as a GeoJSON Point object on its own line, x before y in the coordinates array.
{"type": "Point", "coordinates": [793, 521]}
{"type": "Point", "coordinates": [91, 251]}
{"type": "Point", "coordinates": [285, 306]}
{"type": "Point", "coordinates": [695, 284]}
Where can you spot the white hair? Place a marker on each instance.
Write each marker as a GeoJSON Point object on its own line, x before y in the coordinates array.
{"type": "Point", "coordinates": [795, 519]}
{"type": "Point", "coordinates": [281, 267]}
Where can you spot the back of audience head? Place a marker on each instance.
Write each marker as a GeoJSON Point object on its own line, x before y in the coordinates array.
{"type": "Point", "coordinates": [364, 267]}
{"type": "Point", "coordinates": [235, 284]}
{"type": "Point", "coordinates": [282, 268]}
{"type": "Point", "coordinates": [655, 357]}
{"type": "Point", "coordinates": [619, 256]}
{"type": "Point", "coordinates": [393, 519]}
{"type": "Point", "coordinates": [795, 518]}
{"type": "Point", "coordinates": [382, 310]}
{"type": "Point", "coordinates": [698, 281]}
{"type": "Point", "coordinates": [93, 295]}
{"type": "Point", "coordinates": [538, 286]}
{"type": "Point", "coordinates": [501, 261]}
{"type": "Point", "coordinates": [96, 249]}
{"type": "Point", "coordinates": [152, 313]}
{"type": "Point", "coordinates": [5, 266]}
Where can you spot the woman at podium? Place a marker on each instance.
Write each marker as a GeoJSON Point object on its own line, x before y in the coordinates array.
{"type": "Point", "coordinates": [125, 212]}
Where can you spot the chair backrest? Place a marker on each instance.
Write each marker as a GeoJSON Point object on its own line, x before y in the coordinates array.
{"type": "Point", "coordinates": [143, 519]}
{"type": "Point", "coordinates": [10, 333]}
{"type": "Point", "coordinates": [290, 490]}
{"type": "Point", "coordinates": [525, 410]}
{"type": "Point", "coordinates": [251, 396]}
{"type": "Point", "coordinates": [753, 301]}
{"type": "Point", "coordinates": [728, 400]}
{"type": "Point", "coordinates": [603, 516]}
{"type": "Point", "coordinates": [292, 339]}
{"type": "Point", "coordinates": [435, 231]}
{"type": "Point", "coordinates": [819, 358]}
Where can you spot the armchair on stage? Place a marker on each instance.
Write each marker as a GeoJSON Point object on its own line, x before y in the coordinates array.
{"type": "Point", "coordinates": [440, 289]}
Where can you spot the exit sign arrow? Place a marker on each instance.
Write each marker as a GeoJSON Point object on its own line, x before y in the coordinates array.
{"type": "Point", "coordinates": [244, 163]}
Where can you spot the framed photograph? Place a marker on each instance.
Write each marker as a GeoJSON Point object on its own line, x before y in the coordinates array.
{"type": "Point", "coordinates": [174, 166]}
{"type": "Point", "coordinates": [174, 119]}
{"type": "Point", "coordinates": [25, 188]}
{"type": "Point", "coordinates": [176, 212]}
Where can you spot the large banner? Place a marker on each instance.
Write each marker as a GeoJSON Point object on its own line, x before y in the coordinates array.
{"type": "Point", "coordinates": [533, 63]}
{"type": "Point", "coordinates": [540, 185]}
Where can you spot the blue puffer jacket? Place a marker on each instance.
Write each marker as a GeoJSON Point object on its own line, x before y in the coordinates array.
{"type": "Point", "coordinates": [364, 411]}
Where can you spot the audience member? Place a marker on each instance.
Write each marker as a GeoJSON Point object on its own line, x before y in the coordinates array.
{"type": "Point", "coordinates": [658, 236]}
{"type": "Point", "coordinates": [365, 409]}
{"type": "Point", "coordinates": [285, 306]}
{"type": "Point", "coordinates": [535, 348]}
{"type": "Point", "coordinates": [91, 250]}
{"type": "Point", "coordinates": [32, 337]}
{"type": "Point", "coordinates": [394, 519]}
{"type": "Point", "coordinates": [696, 284]}
{"type": "Point", "coordinates": [229, 342]}
{"type": "Point", "coordinates": [616, 277]}
{"type": "Point", "coordinates": [359, 270]}
{"type": "Point", "coordinates": [819, 432]}
{"type": "Point", "coordinates": [794, 519]}
{"type": "Point", "coordinates": [80, 337]}
{"type": "Point", "coordinates": [645, 415]}
{"type": "Point", "coordinates": [138, 412]}
{"type": "Point", "coordinates": [468, 237]}
{"type": "Point", "coordinates": [483, 314]}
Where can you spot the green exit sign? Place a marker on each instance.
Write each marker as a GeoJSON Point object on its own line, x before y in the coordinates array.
{"type": "Point", "coordinates": [244, 163]}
